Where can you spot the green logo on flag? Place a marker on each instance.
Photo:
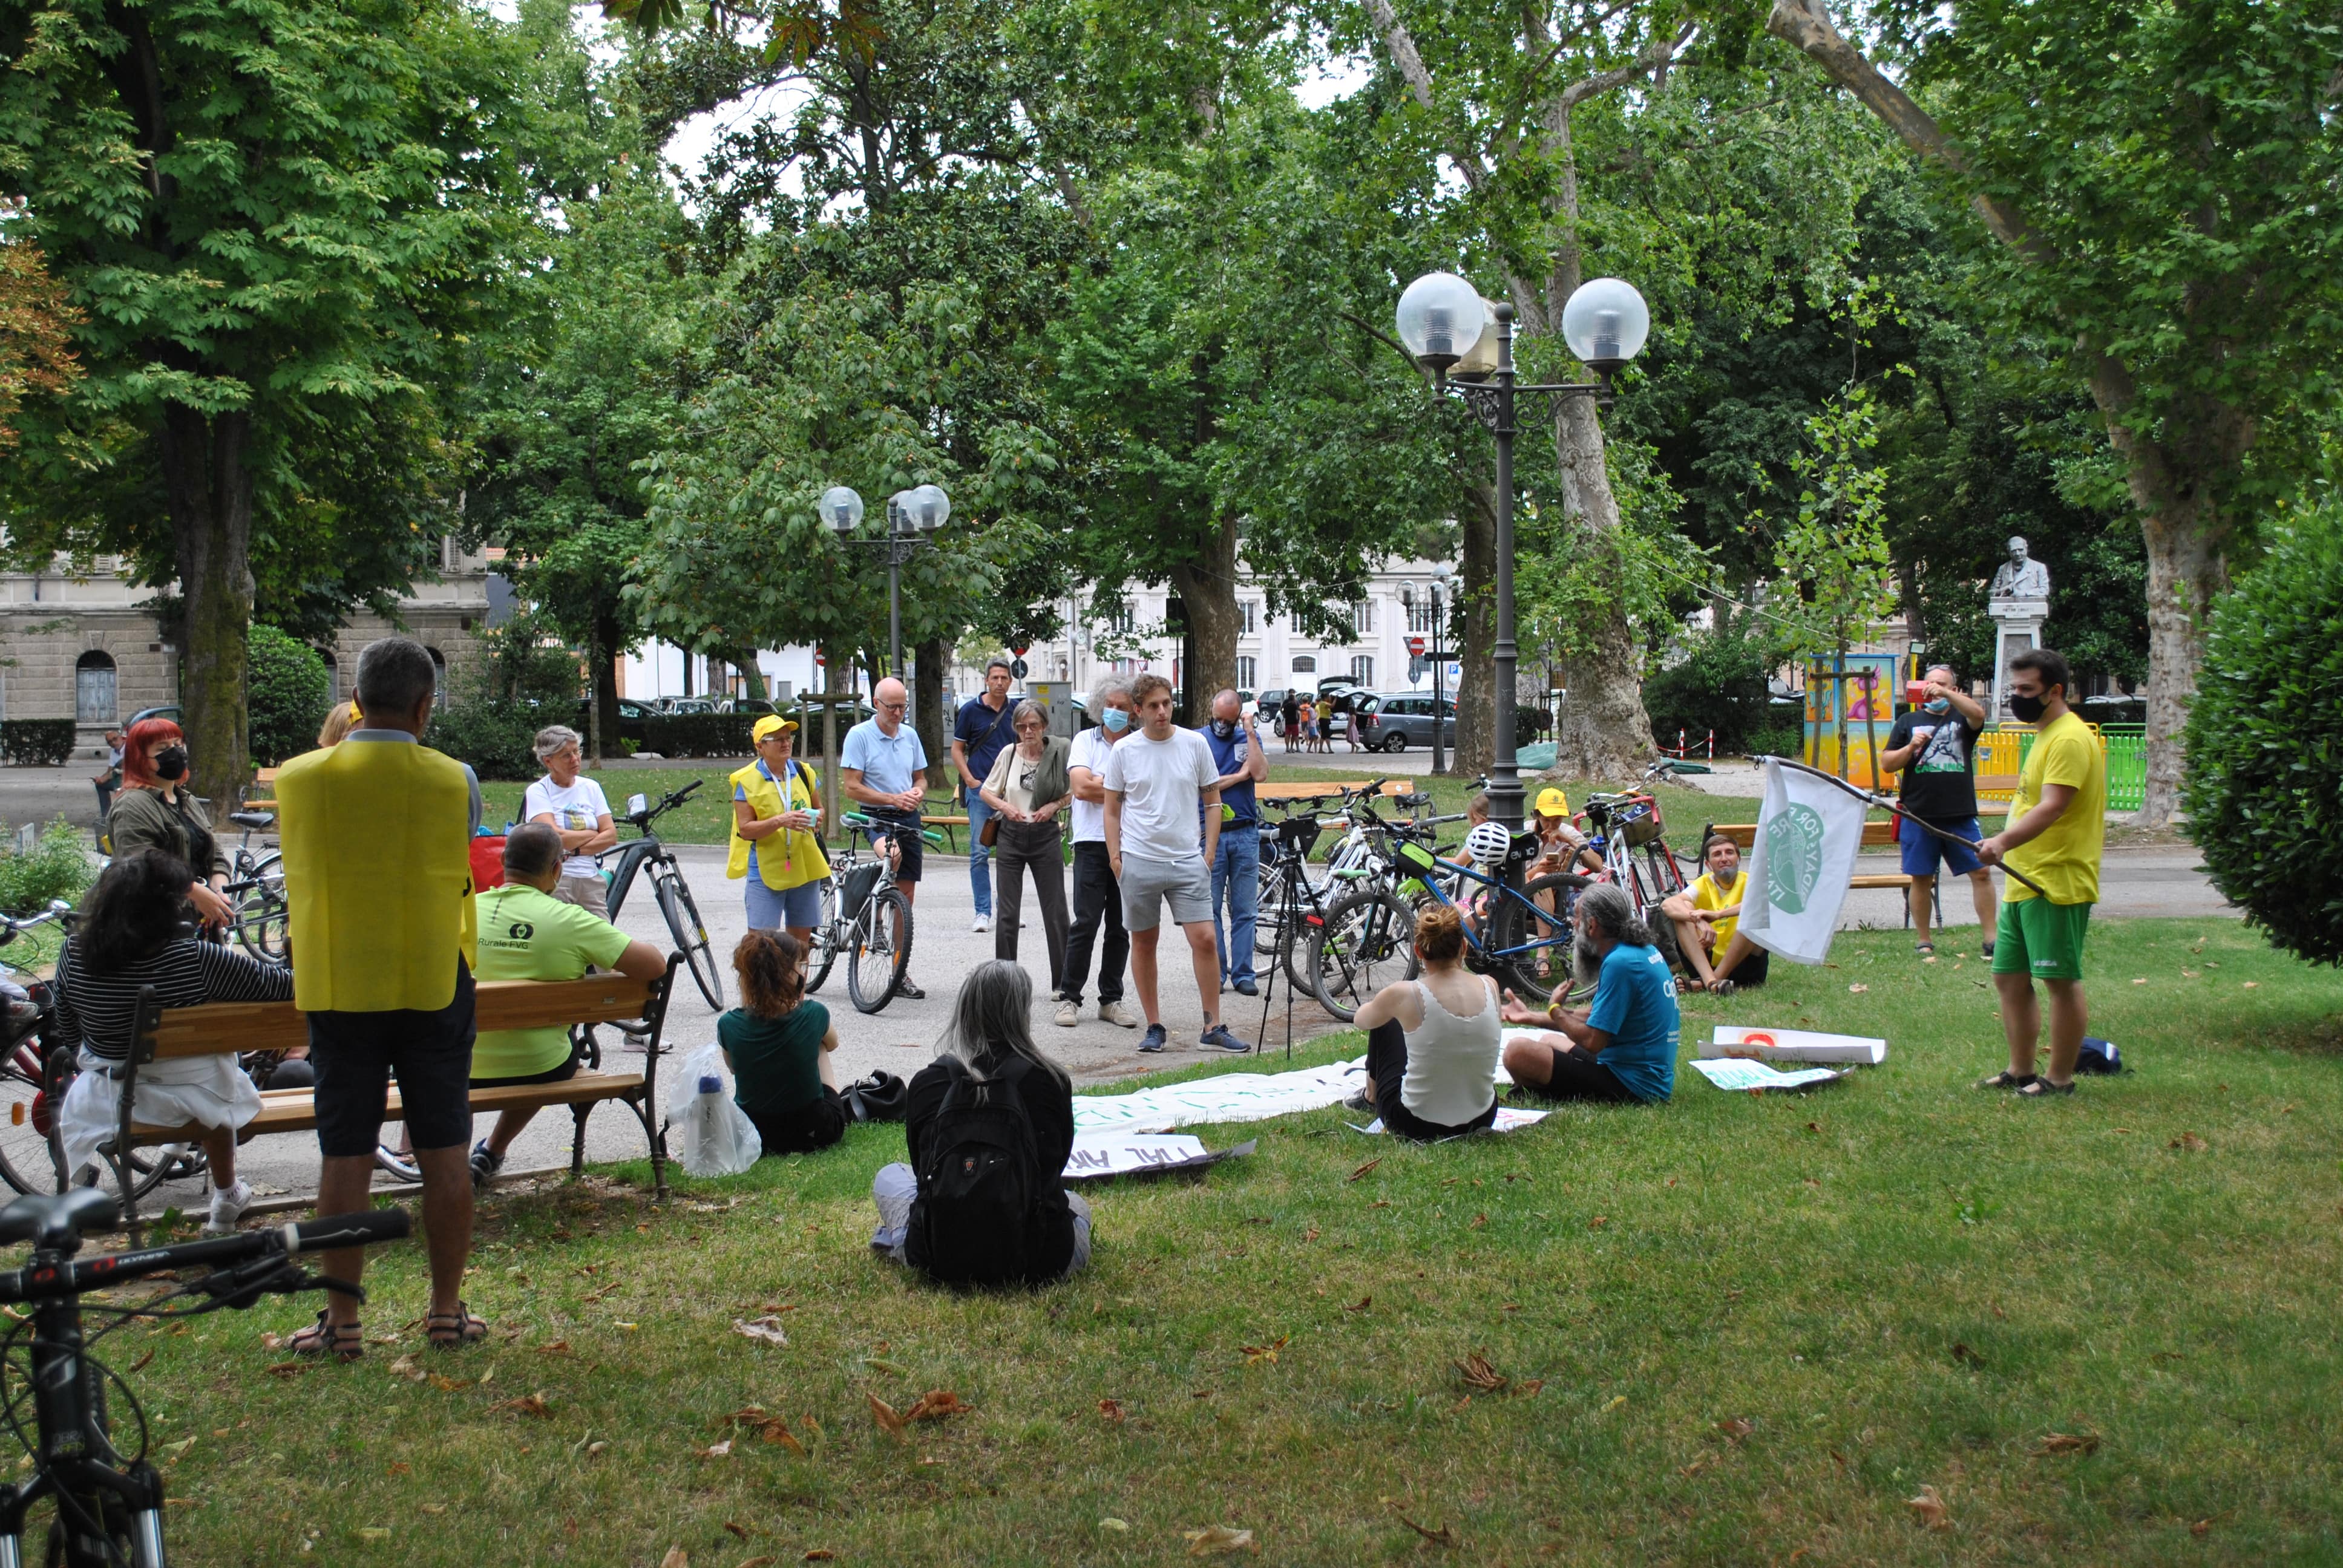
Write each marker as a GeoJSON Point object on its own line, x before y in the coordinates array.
{"type": "Point", "coordinates": [1793, 857]}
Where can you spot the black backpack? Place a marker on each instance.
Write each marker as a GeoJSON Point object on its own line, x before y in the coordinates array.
{"type": "Point", "coordinates": [977, 1184]}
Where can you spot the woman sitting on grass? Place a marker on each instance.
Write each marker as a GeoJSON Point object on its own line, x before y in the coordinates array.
{"type": "Point", "coordinates": [1624, 1048]}
{"type": "Point", "coordinates": [1432, 1043]}
{"type": "Point", "coordinates": [778, 1045]}
{"type": "Point", "coordinates": [990, 1122]}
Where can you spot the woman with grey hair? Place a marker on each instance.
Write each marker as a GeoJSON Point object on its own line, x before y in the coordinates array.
{"type": "Point", "coordinates": [990, 1123]}
{"type": "Point", "coordinates": [574, 807]}
{"type": "Point", "coordinates": [1028, 786]}
{"type": "Point", "coordinates": [1622, 1048]}
{"type": "Point", "coordinates": [1098, 896]}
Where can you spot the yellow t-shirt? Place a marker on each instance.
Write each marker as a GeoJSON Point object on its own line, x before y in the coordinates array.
{"type": "Point", "coordinates": [2065, 858]}
{"type": "Point", "coordinates": [1707, 895]}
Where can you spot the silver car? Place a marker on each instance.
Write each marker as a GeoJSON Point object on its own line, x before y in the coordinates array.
{"type": "Point", "coordinates": [1395, 720]}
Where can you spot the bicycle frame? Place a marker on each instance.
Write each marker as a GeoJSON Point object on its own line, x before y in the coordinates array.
{"type": "Point", "coordinates": [1471, 936]}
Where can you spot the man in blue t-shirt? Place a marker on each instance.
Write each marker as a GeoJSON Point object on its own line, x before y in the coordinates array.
{"type": "Point", "coordinates": [1622, 1048]}
{"type": "Point", "coordinates": [978, 735]}
{"type": "Point", "coordinates": [1237, 753]}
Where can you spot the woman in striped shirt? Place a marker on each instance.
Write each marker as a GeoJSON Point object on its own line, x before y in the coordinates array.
{"type": "Point", "coordinates": [135, 931]}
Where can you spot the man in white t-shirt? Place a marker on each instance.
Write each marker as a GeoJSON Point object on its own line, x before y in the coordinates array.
{"type": "Point", "coordinates": [575, 809]}
{"type": "Point", "coordinates": [1155, 783]}
{"type": "Point", "coordinates": [1097, 900]}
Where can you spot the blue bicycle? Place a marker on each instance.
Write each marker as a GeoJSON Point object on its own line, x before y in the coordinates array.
{"type": "Point", "coordinates": [1516, 930]}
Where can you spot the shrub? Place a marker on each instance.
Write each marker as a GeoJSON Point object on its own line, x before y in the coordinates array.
{"type": "Point", "coordinates": [1719, 684]}
{"type": "Point", "coordinates": [698, 734]}
{"type": "Point", "coordinates": [38, 743]}
{"type": "Point", "coordinates": [495, 737]}
{"type": "Point", "coordinates": [2264, 739]}
{"type": "Point", "coordinates": [57, 869]}
{"type": "Point", "coordinates": [287, 689]}
{"type": "Point", "coordinates": [1775, 740]}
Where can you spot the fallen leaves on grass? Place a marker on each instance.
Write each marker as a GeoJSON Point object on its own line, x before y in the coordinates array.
{"type": "Point", "coordinates": [1479, 1221]}
{"type": "Point", "coordinates": [933, 1405]}
{"type": "Point", "coordinates": [445, 1383]}
{"type": "Point", "coordinates": [1365, 1169]}
{"type": "Point", "coordinates": [1857, 990]}
{"type": "Point", "coordinates": [140, 1365]}
{"type": "Point", "coordinates": [2189, 1143]}
{"type": "Point", "coordinates": [1597, 1222]}
{"type": "Point", "coordinates": [2066, 1443]}
{"type": "Point", "coordinates": [1360, 1305]}
{"type": "Point", "coordinates": [740, 1530]}
{"type": "Point", "coordinates": [1930, 1507]}
{"type": "Point", "coordinates": [719, 1450]}
{"type": "Point", "coordinates": [1478, 1373]}
{"type": "Point", "coordinates": [815, 1555]}
{"type": "Point", "coordinates": [767, 1327]}
{"type": "Point", "coordinates": [291, 1368]}
{"type": "Point", "coordinates": [1961, 1352]}
{"type": "Point", "coordinates": [1736, 1428]}
{"type": "Point", "coordinates": [1530, 1389]}
{"type": "Point", "coordinates": [557, 1348]}
{"type": "Point", "coordinates": [1111, 1409]}
{"type": "Point", "coordinates": [677, 1557]}
{"type": "Point", "coordinates": [1255, 1354]}
{"type": "Point", "coordinates": [768, 1426]}
{"type": "Point", "coordinates": [533, 1404]}
{"type": "Point", "coordinates": [1311, 1234]}
{"type": "Point", "coordinates": [1443, 1536]}
{"type": "Point", "coordinates": [1119, 1526]}
{"type": "Point", "coordinates": [1218, 1539]}
{"type": "Point", "coordinates": [890, 1421]}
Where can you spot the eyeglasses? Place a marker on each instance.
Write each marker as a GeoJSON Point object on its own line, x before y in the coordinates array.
{"type": "Point", "coordinates": [893, 706]}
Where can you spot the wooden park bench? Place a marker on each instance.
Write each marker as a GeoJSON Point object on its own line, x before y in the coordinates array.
{"type": "Point", "coordinates": [1876, 835]}
{"type": "Point", "coordinates": [230, 1028]}
{"type": "Point", "coordinates": [1290, 791]}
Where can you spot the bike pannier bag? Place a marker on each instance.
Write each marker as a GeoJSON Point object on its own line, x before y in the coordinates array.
{"type": "Point", "coordinates": [488, 862]}
{"type": "Point", "coordinates": [855, 890]}
{"type": "Point", "coordinates": [977, 1184]}
{"type": "Point", "coordinates": [1640, 821]}
{"type": "Point", "coordinates": [1415, 857]}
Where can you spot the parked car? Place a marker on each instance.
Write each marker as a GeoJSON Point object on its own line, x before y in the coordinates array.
{"type": "Point", "coordinates": [1395, 720]}
{"type": "Point", "coordinates": [1268, 707]}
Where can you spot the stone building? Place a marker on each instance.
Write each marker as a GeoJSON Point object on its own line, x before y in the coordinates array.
{"type": "Point", "coordinates": [87, 648]}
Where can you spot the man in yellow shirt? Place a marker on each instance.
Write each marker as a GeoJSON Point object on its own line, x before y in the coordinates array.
{"type": "Point", "coordinates": [1708, 917]}
{"type": "Point", "coordinates": [2057, 825]}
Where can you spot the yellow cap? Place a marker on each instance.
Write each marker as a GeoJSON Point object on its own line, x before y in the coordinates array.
{"type": "Point", "coordinates": [1553, 803]}
{"type": "Point", "coordinates": [769, 723]}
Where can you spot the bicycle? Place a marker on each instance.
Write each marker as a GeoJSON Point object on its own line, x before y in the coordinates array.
{"type": "Point", "coordinates": [676, 904]}
{"type": "Point", "coordinates": [263, 923]}
{"type": "Point", "coordinates": [864, 914]}
{"type": "Point", "coordinates": [1622, 823]}
{"type": "Point", "coordinates": [109, 1505]}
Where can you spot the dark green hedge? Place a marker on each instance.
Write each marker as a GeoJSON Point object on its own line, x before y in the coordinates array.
{"type": "Point", "coordinates": [287, 689]}
{"type": "Point", "coordinates": [697, 734]}
{"type": "Point", "coordinates": [42, 742]}
{"type": "Point", "coordinates": [495, 737]}
{"type": "Point", "coordinates": [2264, 786]}
{"type": "Point", "coordinates": [1719, 685]}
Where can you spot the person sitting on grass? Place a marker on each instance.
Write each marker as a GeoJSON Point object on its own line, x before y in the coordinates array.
{"type": "Point", "coordinates": [527, 933]}
{"type": "Point", "coordinates": [779, 1045]}
{"type": "Point", "coordinates": [135, 933]}
{"type": "Point", "coordinates": [1708, 917]}
{"type": "Point", "coordinates": [990, 1122]}
{"type": "Point", "coordinates": [1621, 1050]}
{"type": "Point", "coordinates": [1432, 1043]}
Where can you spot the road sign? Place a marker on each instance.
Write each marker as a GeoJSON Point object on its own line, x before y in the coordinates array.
{"type": "Point", "coordinates": [1415, 646]}
{"type": "Point", "coordinates": [1017, 668]}
{"type": "Point", "coordinates": [1017, 653]}
{"type": "Point", "coordinates": [820, 658]}
{"type": "Point", "coordinates": [1415, 669]}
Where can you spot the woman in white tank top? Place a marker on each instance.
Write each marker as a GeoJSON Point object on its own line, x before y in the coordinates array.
{"type": "Point", "coordinates": [1432, 1043]}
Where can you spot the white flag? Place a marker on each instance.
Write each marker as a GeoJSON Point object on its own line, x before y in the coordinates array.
{"type": "Point", "coordinates": [1808, 833]}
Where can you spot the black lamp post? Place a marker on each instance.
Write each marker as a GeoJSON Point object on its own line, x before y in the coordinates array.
{"type": "Point", "coordinates": [913, 518]}
{"type": "Point", "coordinates": [1443, 576]}
{"type": "Point", "coordinates": [1467, 343]}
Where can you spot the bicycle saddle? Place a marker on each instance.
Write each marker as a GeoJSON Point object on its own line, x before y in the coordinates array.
{"type": "Point", "coordinates": [55, 1219]}
{"type": "Point", "coordinates": [253, 820]}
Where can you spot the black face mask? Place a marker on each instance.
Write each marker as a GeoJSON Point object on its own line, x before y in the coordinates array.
{"type": "Point", "coordinates": [171, 763]}
{"type": "Point", "coordinates": [2027, 709]}
{"type": "Point", "coordinates": [1224, 728]}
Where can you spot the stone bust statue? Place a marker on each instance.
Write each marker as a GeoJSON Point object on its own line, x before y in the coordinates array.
{"type": "Point", "coordinates": [2021, 576]}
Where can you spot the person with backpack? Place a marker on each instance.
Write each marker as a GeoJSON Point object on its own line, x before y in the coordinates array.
{"type": "Point", "coordinates": [990, 1122]}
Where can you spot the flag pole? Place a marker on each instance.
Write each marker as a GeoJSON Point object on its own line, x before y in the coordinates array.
{"type": "Point", "coordinates": [1885, 804]}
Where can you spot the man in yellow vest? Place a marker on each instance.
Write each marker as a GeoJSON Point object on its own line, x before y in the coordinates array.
{"type": "Point", "coordinates": [376, 836]}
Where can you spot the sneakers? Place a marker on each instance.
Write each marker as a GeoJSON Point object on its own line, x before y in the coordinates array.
{"type": "Point", "coordinates": [1154, 1039]}
{"type": "Point", "coordinates": [486, 1163]}
{"type": "Point", "coordinates": [982, 923]}
{"type": "Point", "coordinates": [1115, 1013]}
{"type": "Point", "coordinates": [229, 1204]}
{"type": "Point", "coordinates": [1220, 1037]}
{"type": "Point", "coordinates": [1068, 1014]}
{"type": "Point", "coordinates": [386, 1158]}
{"type": "Point", "coordinates": [1244, 986]}
{"type": "Point", "coordinates": [907, 990]}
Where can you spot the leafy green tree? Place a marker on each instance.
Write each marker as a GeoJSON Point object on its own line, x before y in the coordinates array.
{"type": "Point", "coordinates": [277, 219]}
{"type": "Point", "coordinates": [288, 691]}
{"type": "Point", "coordinates": [2160, 180]}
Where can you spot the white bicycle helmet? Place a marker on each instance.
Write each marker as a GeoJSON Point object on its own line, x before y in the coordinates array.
{"type": "Point", "coordinates": [1488, 843]}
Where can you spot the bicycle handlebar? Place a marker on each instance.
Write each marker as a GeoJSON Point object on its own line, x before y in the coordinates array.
{"type": "Point", "coordinates": [49, 1280]}
{"type": "Point", "coordinates": [362, 1229]}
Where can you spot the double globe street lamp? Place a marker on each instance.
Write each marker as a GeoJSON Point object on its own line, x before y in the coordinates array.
{"type": "Point", "coordinates": [913, 516]}
{"type": "Point", "coordinates": [1467, 343]}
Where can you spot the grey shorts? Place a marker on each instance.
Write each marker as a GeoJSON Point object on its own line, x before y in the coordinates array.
{"type": "Point", "coordinates": [1147, 883]}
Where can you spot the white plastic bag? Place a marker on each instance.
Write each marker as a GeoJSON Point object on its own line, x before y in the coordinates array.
{"type": "Point", "coordinates": [719, 1139]}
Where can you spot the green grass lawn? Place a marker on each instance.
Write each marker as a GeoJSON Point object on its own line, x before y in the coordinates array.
{"type": "Point", "coordinates": [1735, 1329]}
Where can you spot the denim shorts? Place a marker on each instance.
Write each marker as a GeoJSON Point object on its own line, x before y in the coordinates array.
{"type": "Point", "coordinates": [769, 910]}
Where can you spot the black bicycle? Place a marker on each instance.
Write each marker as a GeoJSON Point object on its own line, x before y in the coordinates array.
{"type": "Point", "coordinates": [667, 886]}
{"type": "Point", "coordinates": [109, 1502]}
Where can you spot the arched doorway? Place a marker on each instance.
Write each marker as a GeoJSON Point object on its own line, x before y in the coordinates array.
{"type": "Point", "coordinates": [93, 688]}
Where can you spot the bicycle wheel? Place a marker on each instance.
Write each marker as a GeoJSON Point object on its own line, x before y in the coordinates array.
{"type": "Point", "coordinates": [690, 935]}
{"type": "Point", "coordinates": [1268, 918]}
{"type": "Point", "coordinates": [876, 962]}
{"type": "Point", "coordinates": [264, 922]}
{"type": "Point", "coordinates": [28, 1157]}
{"type": "Point", "coordinates": [1534, 937]}
{"type": "Point", "coordinates": [823, 951]}
{"type": "Point", "coordinates": [1367, 943]}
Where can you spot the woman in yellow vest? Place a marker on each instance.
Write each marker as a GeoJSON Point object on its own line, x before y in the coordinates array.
{"type": "Point", "coordinates": [776, 833]}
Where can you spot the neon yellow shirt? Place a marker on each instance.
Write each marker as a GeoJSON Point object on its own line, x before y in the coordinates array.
{"type": "Point", "coordinates": [1707, 895]}
{"type": "Point", "coordinates": [2065, 858]}
{"type": "Point", "coordinates": [529, 935]}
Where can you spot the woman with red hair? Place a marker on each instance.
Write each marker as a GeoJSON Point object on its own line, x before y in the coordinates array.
{"type": "Point", "coordinates": [156, 811]}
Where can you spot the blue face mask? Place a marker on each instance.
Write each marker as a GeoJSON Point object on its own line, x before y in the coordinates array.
{"type": "Point", "coordinates": [1115, 719]}
{"type": "Point", "coordinates": [1939, 705]}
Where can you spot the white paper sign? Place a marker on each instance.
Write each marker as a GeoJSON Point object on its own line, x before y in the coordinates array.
{"type": "Point", "coordinates": [1509, 1119]}
{"type": "Point", "coordinates": [1793, 1045]}
{"type": "Point", "coordinates": [1113, 1154]}
{"type": "Point", "coordinates": [1809, 832]}
{"type": "Point", "coordinates": [1735, 1075]}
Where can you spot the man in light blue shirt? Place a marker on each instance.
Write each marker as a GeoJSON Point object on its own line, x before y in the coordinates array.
{"type": "Point", "coordinates": [884, 770]}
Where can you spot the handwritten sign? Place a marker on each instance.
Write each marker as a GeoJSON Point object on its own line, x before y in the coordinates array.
{"type": "Point", "coordinates": [1097, 1155]}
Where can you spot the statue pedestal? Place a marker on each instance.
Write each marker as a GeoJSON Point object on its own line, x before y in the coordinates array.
{"type": "Point", "coordinates": [2018, 626]}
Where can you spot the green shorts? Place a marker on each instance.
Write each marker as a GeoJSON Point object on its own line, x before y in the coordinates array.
{"type": "Point", "coordinates": [2041, 939]}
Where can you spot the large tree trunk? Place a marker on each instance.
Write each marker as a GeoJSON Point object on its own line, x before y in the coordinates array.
{"type": "Point", "coordinates": [1476, 686]}
{"type": "Point", "coordinates": [929, 661]}
{"type": "Point", "coordinates": [209, 492]}
{"type": "Point", "coordinates": [1603, 732]}
{"type": "Point", "coordinates": [602, 684]}
{"type": "Point", "coordinates": [1208, 589]}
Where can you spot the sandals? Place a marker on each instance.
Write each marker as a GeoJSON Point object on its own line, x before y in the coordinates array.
{"type": "Point", "coordinates": [453, 1330]}
{"type": "Point", "coordinates": [342, 1341]}
{"type": "Point", "coordinates": [1721, 989]}
{"type": "Point", "coordinates": [2042, 1089]}
{"type": "Point", "coordinates": [1924, 949]}
{"type": "Point", "coordinates": [2005, 1079]}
